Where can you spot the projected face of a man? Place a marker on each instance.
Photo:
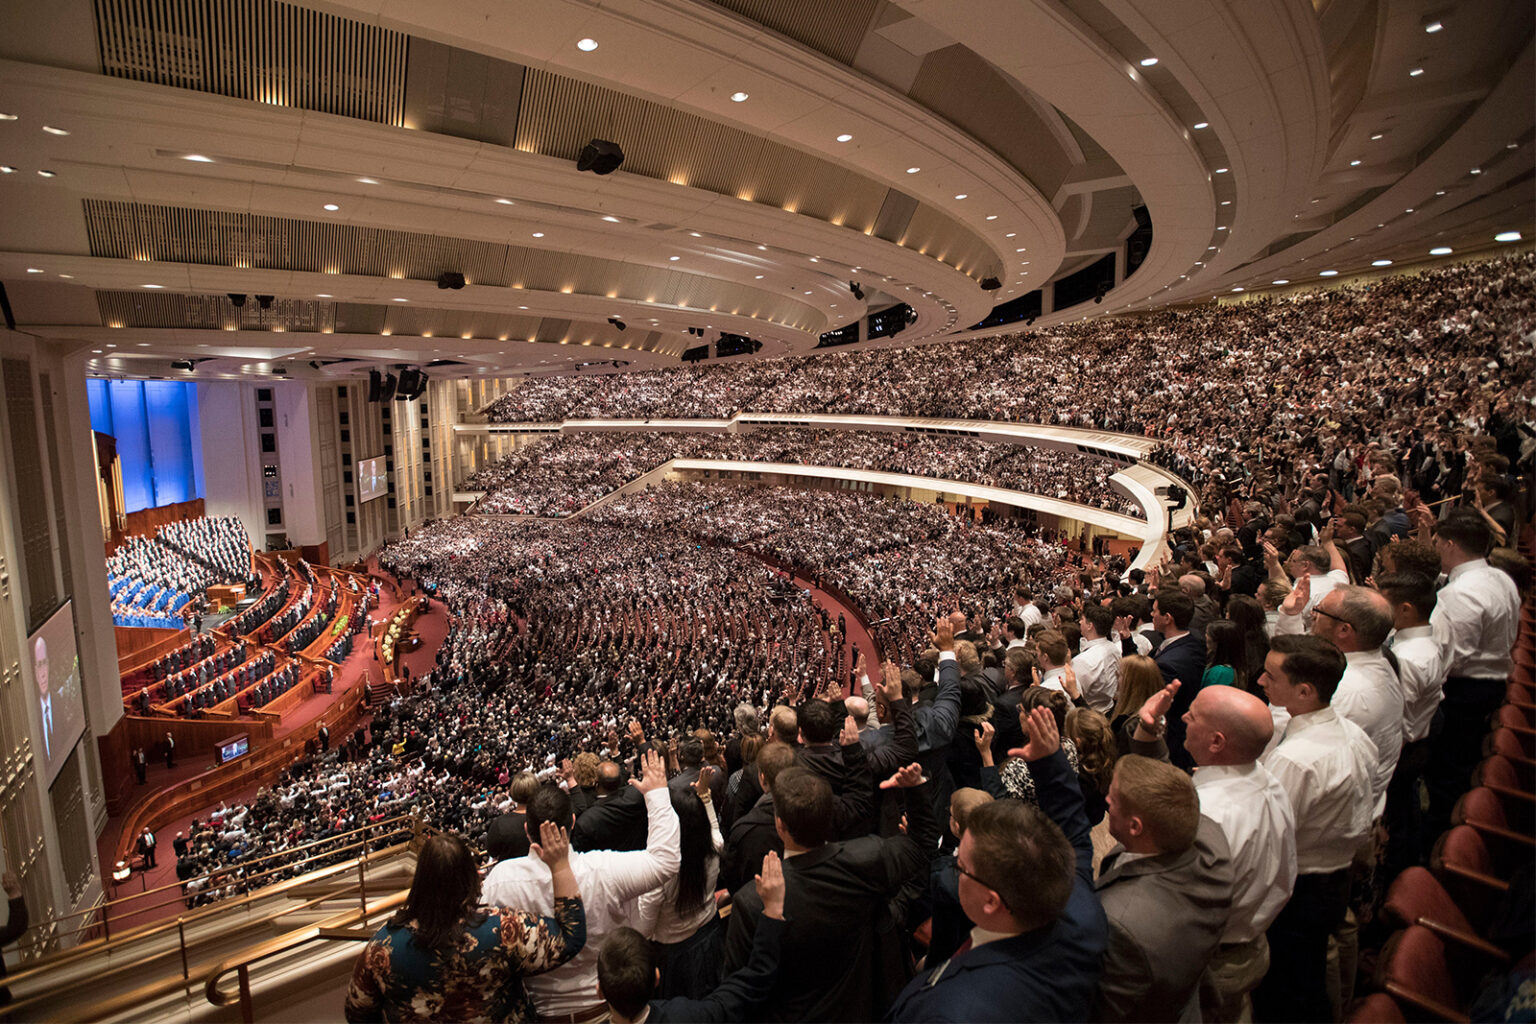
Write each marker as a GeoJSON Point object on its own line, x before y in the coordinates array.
{"type": "Point", "coordinates": [40, 666]}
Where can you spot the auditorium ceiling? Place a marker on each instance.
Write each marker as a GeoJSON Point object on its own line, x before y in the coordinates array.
{"type": "Point", "coordinates": [251, 185]}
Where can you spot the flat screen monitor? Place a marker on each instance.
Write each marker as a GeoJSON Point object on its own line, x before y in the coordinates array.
{"type": "Point", "coordinates": [372, 481]}
{"type": "Point", "coordinates": [235, 746]}
{"type": "Point", "coordinates": [56, 676]}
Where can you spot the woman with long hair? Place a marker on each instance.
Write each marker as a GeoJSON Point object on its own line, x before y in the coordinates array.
{"type": "Point", "coordinates": [1226, 655]}
{"type": "Point", "coordinates": [679, 916]}
{"type": "Point", "coordinates": [1139, 679]}
{"type": "Point", "coordinates": [444, 956]}
{"type": "Point", "coordinates": [1097, 753]}
{"type": "Point", "coordinates": [1249, 616]}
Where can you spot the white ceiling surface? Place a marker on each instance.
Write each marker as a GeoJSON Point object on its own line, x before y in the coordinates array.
{"type": "Point", "coordinates": [1257, 71]}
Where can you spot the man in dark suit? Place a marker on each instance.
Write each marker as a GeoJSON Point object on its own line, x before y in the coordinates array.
{"type": "Point", "coordinates": [690, 760]}
{"type": "Point", "coordinates": [1026, 883]}
{"type": "Point", "coordinates": [617, 820]}
{"type": "Point", "coordinates": [838, 904]}
{"type": "Point", "coordinates": [506, 835]}
{"type": "Point", "coordinates": [1180, 656]}
{"type": "Point", "coordinates": [753, 834]}
{"type": "Point", "coordinates": [1005, 710]}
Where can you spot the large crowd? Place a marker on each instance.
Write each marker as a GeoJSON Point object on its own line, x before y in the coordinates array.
{"type": "Point", "coordinates": [1270, 724]}
{"type": "Point", "coordinates": [556, 476]}
{"type": "Point", "coordinates": [152, 579]}
{"type": "Point", "coordinates": [1247, 398]}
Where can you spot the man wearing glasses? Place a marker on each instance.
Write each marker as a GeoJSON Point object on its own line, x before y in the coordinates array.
{"type": "Point", "coordinates": [1026, 884]}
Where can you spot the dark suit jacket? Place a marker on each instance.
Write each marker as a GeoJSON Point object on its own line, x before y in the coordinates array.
{"type": "Point", "coordinates": [1184, 660]}
{"type": "Point", "coordinates": [506, 837]}
{"type": "Point", "coordinates": [739, 993]}
{"type": "Point", "coordinates": [616, 822]}
{"type": "Point", "coordinates": [1005, 719]}
{"type": "Point", "coordinates": [844, 949]}
{"type": "Point", "coordinates": [1047, 974]}
{"type": "Point", "coordinates": [752, 836]}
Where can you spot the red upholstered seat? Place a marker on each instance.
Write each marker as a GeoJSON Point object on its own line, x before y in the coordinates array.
{"type": "Point", "coordinates": [1376, 1008]}
{"type": "Point", "coordinates": [1502, 775]}
{"type": "Point", "coordinates": [1513, 716]}
{"type": "Point", "coordinates": [1485, 810]}
{"type": "Point", "coordinates": [1417, 897]}
{"type": "Point", "coordinates": [1511, 744]}
{"type": "Point", "coordinates": [1465, 866]}
{"type": "Point", "coordinates": [1413, 970]}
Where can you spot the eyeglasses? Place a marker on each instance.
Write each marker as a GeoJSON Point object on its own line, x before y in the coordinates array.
{"type": "Point", "coordinates": [1335, 618]}
{"type": "Point", "coordinates": [981, 882]}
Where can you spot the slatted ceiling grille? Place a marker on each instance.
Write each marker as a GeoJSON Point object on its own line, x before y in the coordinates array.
{"type": "Point", "coordinates": [835, 29]}
{"type": "Point", "coordinates": [260, 50]}
{"type": "Point", "coordinates": [171, 311]}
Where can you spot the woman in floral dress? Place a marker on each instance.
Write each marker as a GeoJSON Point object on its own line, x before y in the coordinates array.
{"type": "Point", "coordinates": [443, 956]}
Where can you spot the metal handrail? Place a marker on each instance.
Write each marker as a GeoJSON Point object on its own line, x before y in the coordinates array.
{"type": "Point", "coordinates": [381, 830]}
{"type": "Point", "coordinates": [9, 1010]}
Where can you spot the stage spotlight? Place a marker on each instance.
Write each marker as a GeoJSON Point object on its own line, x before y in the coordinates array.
{"type": "Point", "coordinates": [264, 301]}
{"type": "Point", "coordinates": [617, 322]}
{"type": "Point", "coordinates": [990, 284]}
{"type": "Point", "coordinates": [600, 157]}
{"type": "Point", "coordinates": [858, 292]}
{"type": "Point", "coordinates": [450, 279]}
{"type": "Point", "coordinates": [238, 301]}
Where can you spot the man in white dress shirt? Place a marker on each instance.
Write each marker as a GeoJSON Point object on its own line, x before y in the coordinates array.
{"type": "Point", "coordinates": [1475, 620]}
{"type": "Point", "coordinates": [611, 883]}
{"type": "Point", "coordinates": [1358, 621]}
{"type": "Point", "coordinates": [1226, 732]}
{"type": "Point", "coordinates": [1325, 764]}
{"type": "Point", "coordinates": [1097, 664]}
{"type": "Point", "coordinates": [1421, 667]}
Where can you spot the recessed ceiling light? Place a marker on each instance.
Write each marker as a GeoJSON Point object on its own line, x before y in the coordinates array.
{"type": "Point", "coordinates": [960, 196]}
{"type": "Point", "coordinates": [51, 130]}
{"type": "Point", "coordinates": [68, 277]}
{"type": "Point", "coordinates": [46, 174]}
{"type": "Point", "coordinates": [807, 293]}
{"type": "Point", "coordinates": [1441, 250]}
{"type": "Point", "coordinates": [96, 350]}
{"type": "Point", "coordinates": [522, 307]}
{"type": "Point", "coordinates": [586, 45]}
{"type": "Point", "coordinates": [401, 300]}
{"type": "Point", "coordinates": [1415, 73]}
{"type": "Point", "coordinates": [1475, 170]}
{"type": "Point", "coordinates": [538, 234]}
{"type": "Point", "coordinates": [1010, 234]}
{"type": "Point", "coordinates": [611, 219]}
{"type": "Point", "coordinates": [1221, 227]}
{"type": "Point", "coordinates": [1378, 136]}
{"type": "Point", "coordinates": [369, 181]}
{"type": "Point", "coordinates": [1381, 263]}
{"type": "Point", "coordinates": [1433, 26]}
{"type": "Point", "coordinates": [332, 207]}
{"type": "Point", "coordinates": [7, 169]}
{"type": "Point", "coordinates": [7, 117]}
{"type": "Point", "coordinates": [674, 258]}
{"type": "Point", "coordinates": [1238, 288]}
{"type": "Point", "coordinates": [154, 286]}
{"type": "Point", "coordinates": [738, 97]}
{"type": "Point", "coordinates": [1328, 273]}
{"type": "Point", "coordinates": [505, 202]}
{"type": "Point", "coordinates": [1021, 249]}
{"type": "Point", "coordinates": [323, 295]}
{"type": "Point", "coordinates": [1221, 170]}
{"type": "Point", "coordinates": [1511, 145]}
{"type": "Point", "coordinates": [759, 277]}
{"type": "Point", "coordinates": [1202, 124]}
{"type": "Point", "coordinates": [1148, 62]}
{"type": "Point", "coordinates": [1507, 236]}
{"type": "Point", "coordinates": [198, 158]}
{"type": "Point", "coordinates": [34, 270]}
{"type": "Point", "coordinates": [913, 170]}
{"type": "Point", "coordinates": [1354, 163]}
{"type": "Point", "coordinates": [845, 137]}
{"type": "Point", "coordinates": [1281, 280]}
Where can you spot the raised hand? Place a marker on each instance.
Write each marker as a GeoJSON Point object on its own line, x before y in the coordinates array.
{"type": "Point", "coordinates": [770, 885]}
{"type": "Point", "coordinates": [1156, 706]}
{"type": "Point", "coordinates": [553, 847]}
{"type": "Point", "coordinates": [890, 680]}
{"type": "Point", "coordinates": [905, 778]}
{"type": "Point", "coordinates": [654, 777]}
{"type": "Point", "coordinates": [1044, 739]}
{"type": "Point", "coordinates": [850, 734]}
{"type": "Point", "coordinates": [944, 635]}
{"type": "Point", "coordinates": [1300, 594]}
{"type": "Point", "coordinates": [701, 784]}
{"type": "Point", "coordinates": [1069, 681]}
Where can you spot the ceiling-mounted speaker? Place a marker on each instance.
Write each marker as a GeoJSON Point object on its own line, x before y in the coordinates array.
{"type": "Point", "coordinates": [264, 301]}
{"type": "Point", "coordinates": [1143, 218]}
{"type": "Point", "coordinates": [990, 284]}
{"type": "Point", "coordinates": [237, 300]}
{"type": "Point", "coordinates": [375, 385]}
{"type": "Point", "coordinates": [600, 157]}
{"type": "Point", "coordinates": [387, 392]}
{"type": "Point", "coordinates": [450, 279]}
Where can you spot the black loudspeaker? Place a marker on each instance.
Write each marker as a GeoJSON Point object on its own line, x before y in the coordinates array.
{"type": "Point", "coordinates": [600, 157]}
{"type": "Point", "coordinates": [409, 385]}
{"type": "Point", "coordinates": [1143, 218]}
{"type": "Point", "coordinates": [375, 383]}
{"type": "Point", "coordinates": [450, 279]}
{"type": "Point", "coordinates": [387, 392]}
{"type": "Point", "coordinates": [990, 284]}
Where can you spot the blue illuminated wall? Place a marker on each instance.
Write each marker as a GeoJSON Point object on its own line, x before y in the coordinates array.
{"type": "Point", "coordinates": [155, 424]}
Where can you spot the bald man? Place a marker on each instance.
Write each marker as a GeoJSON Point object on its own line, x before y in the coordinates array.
{"type": "Point", "coordinates": [1358, 621]}
{"type": "Point", "coordinates": [1226, 731]}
